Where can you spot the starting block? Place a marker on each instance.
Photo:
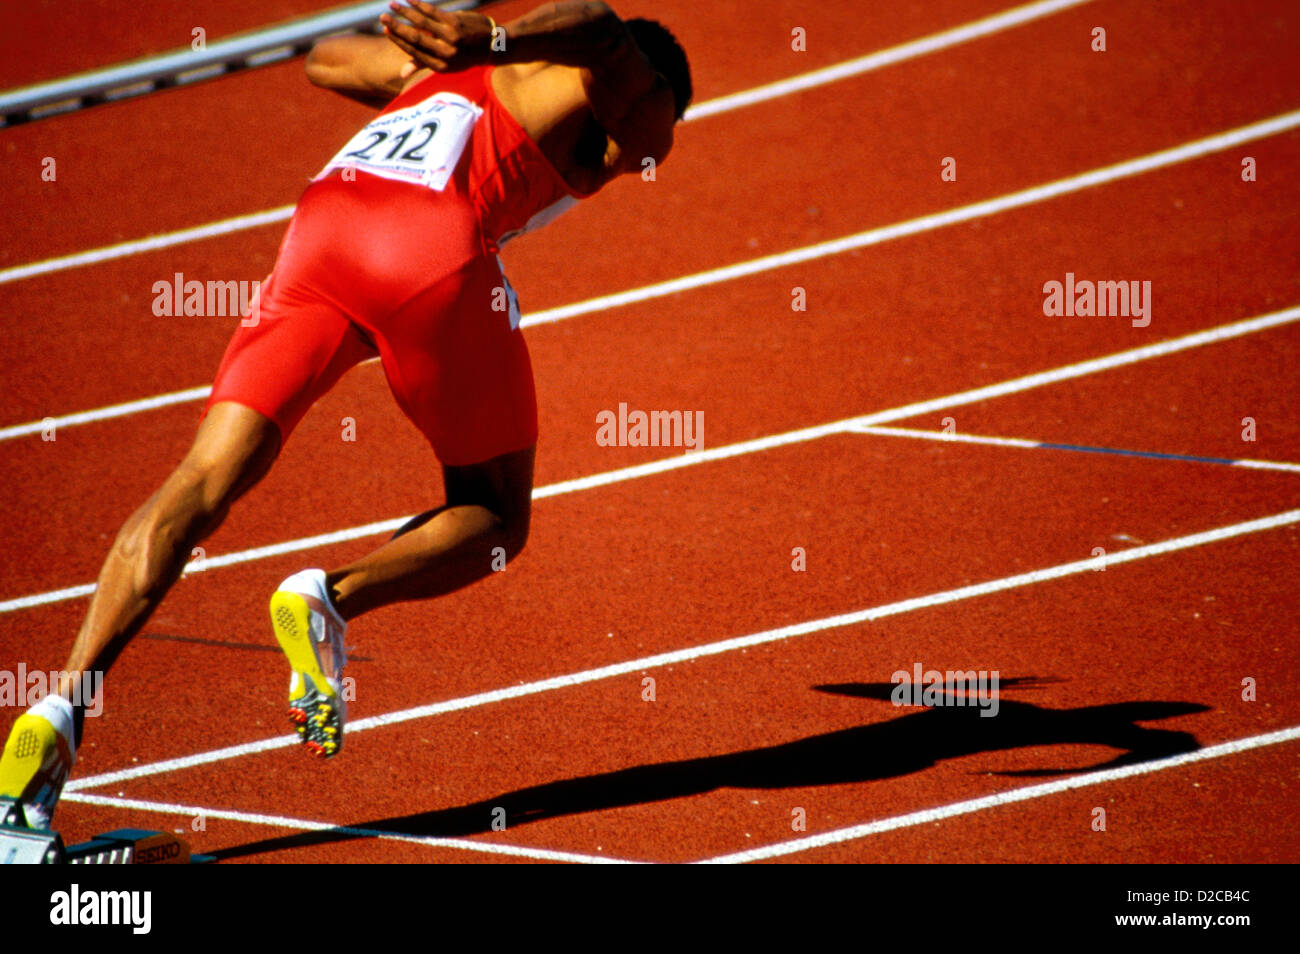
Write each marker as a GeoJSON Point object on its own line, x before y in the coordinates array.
{"type": "Point", "coordinates": [21, 845]}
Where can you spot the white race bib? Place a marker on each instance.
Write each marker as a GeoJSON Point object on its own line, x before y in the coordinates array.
{"type": "Point", "coordinates": [420, 144]}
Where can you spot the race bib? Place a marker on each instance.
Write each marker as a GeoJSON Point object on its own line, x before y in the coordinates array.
{"type": "Point", "coordinates": [420, 144]}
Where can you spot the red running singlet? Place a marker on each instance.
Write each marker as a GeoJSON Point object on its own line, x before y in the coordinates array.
{"type": "Point", "coordinates": [392, 252]}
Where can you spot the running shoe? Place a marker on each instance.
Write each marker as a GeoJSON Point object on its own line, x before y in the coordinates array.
{"type": "Point", "coordinates": [310, 631]}
{"type": "Point", "coordinates": [38, 756]}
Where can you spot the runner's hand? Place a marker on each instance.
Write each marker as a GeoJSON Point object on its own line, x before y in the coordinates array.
{"type": "Point", "coordinates": [438, 40]}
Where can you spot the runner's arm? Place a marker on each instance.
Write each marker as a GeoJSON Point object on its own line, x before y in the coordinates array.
{"type": "Point", "coordinates": [571, 34]}
{"type": "Point", "coordinates": [373, 70]}
{"type": "Point", "coordinates": [365, 68]}
{"type": "Point", "coordinates": [631, 101]}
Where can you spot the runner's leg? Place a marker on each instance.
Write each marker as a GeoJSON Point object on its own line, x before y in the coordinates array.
{"type": "Point", "coordinates": [233, 450]}
{"type": "Point", "coordinates": [274, 369]}
{"type": "Point", "coordinates": [484, 521]}
{"type": "Point", "coordinates": [458, 367]}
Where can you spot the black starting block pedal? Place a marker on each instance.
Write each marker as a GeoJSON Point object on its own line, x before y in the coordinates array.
{"type": "Point", "coordinates": [21, 845]}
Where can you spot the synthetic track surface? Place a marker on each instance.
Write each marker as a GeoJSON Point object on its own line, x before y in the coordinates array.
{"type": "Point", "coordinates": [1144, 659]}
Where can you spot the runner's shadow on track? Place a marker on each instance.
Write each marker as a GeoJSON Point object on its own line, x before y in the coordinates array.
{"type": "Point", "coordinates": [879, 750]}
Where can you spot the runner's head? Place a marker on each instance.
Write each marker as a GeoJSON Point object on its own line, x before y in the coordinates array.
{"type": "Point", "coordinates": [666, 56]}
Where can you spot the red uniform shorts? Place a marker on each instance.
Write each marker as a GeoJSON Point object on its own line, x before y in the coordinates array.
{"type": "Point", "coordinates": [371, 267]}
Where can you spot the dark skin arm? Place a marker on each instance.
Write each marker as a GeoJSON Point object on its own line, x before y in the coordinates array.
{"type": "Point", "coordinates": [630, 100]}
{"type": "Point", "coordinates": [373, 70]}
{"type": "Point", "coordinates": [364, 68]}
{"type": "Point", "coordinates": [571, 34]}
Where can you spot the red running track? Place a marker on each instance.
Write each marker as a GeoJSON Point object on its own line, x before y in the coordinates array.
{"type": "Point", "coordinates": [1144, 660]}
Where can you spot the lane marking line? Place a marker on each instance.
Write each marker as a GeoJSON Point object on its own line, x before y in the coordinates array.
{"type": "Point", "coordinates": [955, 438]}
{"type": "Point", "coordinates": [666, 464]}
{"type": "Point", "coordinates": [1027, 793]}
{"type": "Point", "coordinates": [107, 253]}
{"type": "Point", "coordinates": [708, 649]}
{"type": "Point", "coordinates": [976, 29]}
{"type": "Point", "coordinates": [937, 220]}
{"type": "Point", "coordinates": [108, 412]}
{"type": "Point", "coordinates": [874, 236]}
{"type": "Point", "coordinates": [280, 821]}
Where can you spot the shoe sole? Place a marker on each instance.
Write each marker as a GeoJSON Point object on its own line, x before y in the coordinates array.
{"type": "Point", "coordinates": [316, 712]}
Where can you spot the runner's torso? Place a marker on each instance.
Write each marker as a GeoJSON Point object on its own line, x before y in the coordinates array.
{"type": "Point", "coordinates": [453, 133]}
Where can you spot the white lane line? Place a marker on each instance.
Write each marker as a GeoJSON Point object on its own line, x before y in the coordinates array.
{"type": "Point", "coordinates": [709, 649]}
{"type": "Point", "coordinates": [937, 41]}
{"type": "Point", "coordinates": [876, 236]}
{"type": "Point", "coordinates": [154, 242]}
{"type": "Point", "coordinates": [874, 61]}
{"type": "Point", "coordinates": [937, 220]}
{"type": "Point", "coordinates": [663, 465]}
{"type": "Point", "coordinates": [947, 438]}
{"type": "Point", "coordinates": [955, 438]}
{"type": "Point", "coordinates": [931, 815]}
{"type": "Point", "coordinates": [107, 413]}
{"type": "Point", "coordinates": [1265, 465]}
{"type": "Point", "coordinates": [301, 824]}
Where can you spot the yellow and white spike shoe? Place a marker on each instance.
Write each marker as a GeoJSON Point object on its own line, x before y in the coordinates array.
{"type": "Point", "coordinates": [310, 631]}
{"type": "Point", "coordinates": [38, 756]}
